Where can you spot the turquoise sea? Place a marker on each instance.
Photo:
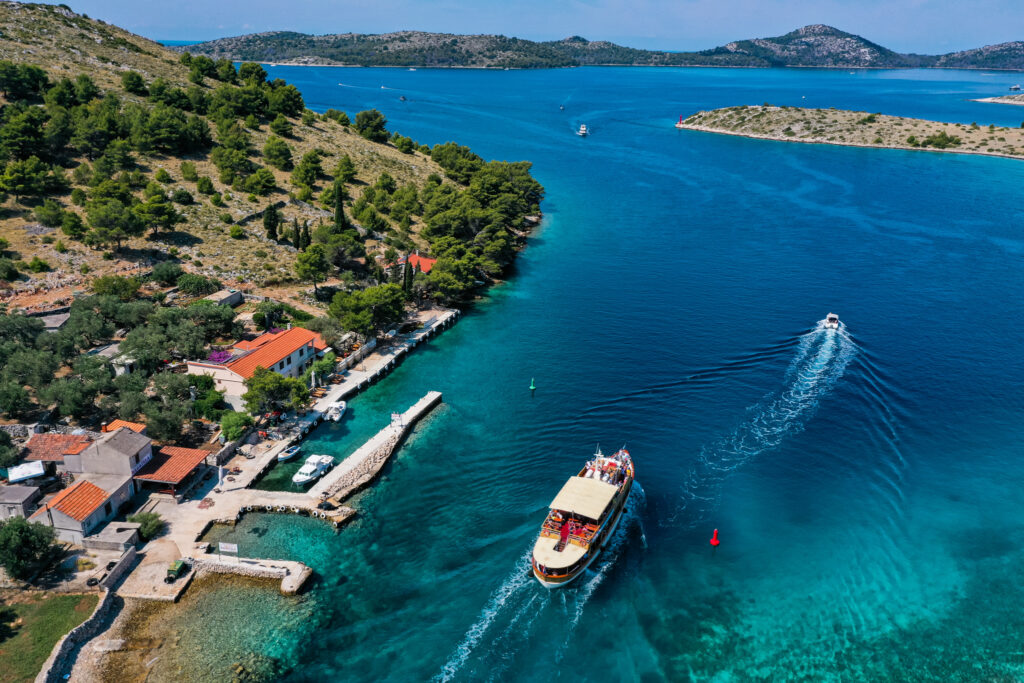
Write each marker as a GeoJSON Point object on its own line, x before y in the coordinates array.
{"type": "Point", "coordinates": [865, 483]}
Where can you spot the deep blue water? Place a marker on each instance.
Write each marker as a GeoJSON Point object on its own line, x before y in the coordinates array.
{"type": "Point", "coordinates": [865, 483]}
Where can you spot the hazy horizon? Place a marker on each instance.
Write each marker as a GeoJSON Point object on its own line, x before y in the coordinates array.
{"type": "Point", "coordinates": [921, 26]}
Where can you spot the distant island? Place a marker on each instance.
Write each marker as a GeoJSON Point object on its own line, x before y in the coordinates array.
{"type": "Point", "coordinates": [811, 46]}
{"type": "Point", "coordinates": [858, 129]}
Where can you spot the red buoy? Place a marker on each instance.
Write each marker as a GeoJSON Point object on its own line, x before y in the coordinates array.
{"type": "Point", "coordinates": [714, 538]}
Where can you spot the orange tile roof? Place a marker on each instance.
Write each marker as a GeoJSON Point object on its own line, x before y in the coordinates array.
{"type": "Point", "coordinates": [52, 447]}
{"type": "Point", "coordinates": [422, 262]}
{"type": "Point", "coordinates": [117, 424]}
{"type": "Point", "coordinates": [171, 464]}
{"type": "Point", "coordinates": [258, 341]}
{"type": "Point", "coordinates": [269, 353]}
{"type": "Point", "coordinates": [78, 501]}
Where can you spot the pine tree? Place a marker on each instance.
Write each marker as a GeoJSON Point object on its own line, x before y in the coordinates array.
{"type": "Point", "coordinates": [296, 234]}
{"type": "Point", "coordinates": [271, 220]}
{"type": "Point", "coordinates": [339, 205]}
{"type": "Point", "coordinates": [407, 277]}
{"type": "Point", "coordinates": [306, 239]}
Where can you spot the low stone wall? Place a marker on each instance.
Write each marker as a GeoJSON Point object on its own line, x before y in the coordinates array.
{"type": "Point", "coordinates": [60, 658]}
{"type": "Point", "coordinates": [241, 568]}
{"type": "Point", "coordinates": [123, 565]}
{"type": "Point", "coordinates": [17, 431]}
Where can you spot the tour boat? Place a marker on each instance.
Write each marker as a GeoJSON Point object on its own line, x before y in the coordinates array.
{"type": "Point", "coordinates": [679, 123]}
{"type": "Point", "coordinates": [582, 519]}
{"type": "Point", "coordinates": [1014, 87]}
{"type": "Point", "coordinates": [832, 321]}
{"type": "Point", "coordinates": [336, 410]}
{"type": "Point", "coordinates": [288, 453]}
{"type": "Point", "coordinates": [315, 467]}
{"type": "Point", "coordinates": [583, 132]}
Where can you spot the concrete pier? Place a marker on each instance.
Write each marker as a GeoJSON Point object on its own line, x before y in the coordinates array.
{"type": "Point", "coordinates": [366, 462]}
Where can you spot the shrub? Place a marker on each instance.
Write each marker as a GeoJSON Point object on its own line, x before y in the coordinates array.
{"type": "Point", "coordinates": [150, 524]}
{"type": "Point", "coordinates": [237, 232]}
{"type": "Point", "coordinates": [197, 285]}
{"type": "Point", "coordinates": [167, 273]}
{"type": "Point", "coordinates": [38, 265]}
{"type": "Point", "coordinates": [24, 546]}
{"type": "Point", "coordinates": [182, 196]}
{"type": "Point", "coordinates": [60, 247]}
{"type": "Point", "coordinates": [49, 213]}
{"type": "Point", "coordinates": [188, 171]}
{"type": "Point", "coordinates": [233, 424]}
{"type": "Point", "coordinates": [8, 271]}
{"type": "Point", "coordinates": [204, 185]}
{"type": "Point", "coordinates": [78, 196]}
{"type": "Point", "coordinates": [226, 218]}
{"type": "Point", "coordinates": [162, 175]}
{"type": "Point", "coordinates": [124, 288]}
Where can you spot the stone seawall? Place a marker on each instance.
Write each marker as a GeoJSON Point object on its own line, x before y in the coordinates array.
{"type": "Point", "coordinates": [293, 575]}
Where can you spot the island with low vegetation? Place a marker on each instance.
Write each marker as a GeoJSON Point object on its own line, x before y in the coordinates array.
{"type": "Point", "coordinates": [858, 129]}
{"type": "Point", "coordinates": [1004, 99]}
{"type": "Point", "coordinates": [816, 45]}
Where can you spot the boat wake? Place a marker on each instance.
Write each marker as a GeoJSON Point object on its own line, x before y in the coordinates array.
{"type": "Point", "coordinates": [821, 359]}
{"type": "Point", "coordinates": [512, 615]}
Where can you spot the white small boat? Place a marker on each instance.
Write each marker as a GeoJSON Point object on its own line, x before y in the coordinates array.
{"type": "Point", "coordinates": [831, 321]}
{"type": "Point", "coordinates": [288, 453]}
{"type": "Point", "coordinates": [315, 467]}
{"type": "Point", "coordinates": [583, 132]}
{"type": "Point", "coordinates": [336, 410]}
{"type": "Point", "coordinates": [679, 123]}
{"type": "Point", "coordinates": [411, 69]}
{"type": "Point", "coordinates": [1014, 87]}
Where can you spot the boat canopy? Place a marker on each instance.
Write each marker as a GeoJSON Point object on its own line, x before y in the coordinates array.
{"type": "Point", "coordinates": [586, 497]}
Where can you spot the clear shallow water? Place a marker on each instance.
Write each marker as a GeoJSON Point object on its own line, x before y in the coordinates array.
{"type": "Point", "coordinates": [865, 482]}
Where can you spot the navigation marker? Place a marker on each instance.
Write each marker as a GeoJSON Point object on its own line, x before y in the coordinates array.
{"type": "Point", "coordinates": [714, 539]}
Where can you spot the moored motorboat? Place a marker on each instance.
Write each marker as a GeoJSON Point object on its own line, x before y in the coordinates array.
{"type": "Point", "coordinates": [336, 410]}
{"type": "Point", "coordinates": [315, 467]}
{"type": "Point", "coordinates": [583, 132]}
{"type": "Point", "coordinates": [832, 321]}
{"type": "Point", "coordinates": [582, 519]}
{"type": "Point", "coordinates": [288, 453]}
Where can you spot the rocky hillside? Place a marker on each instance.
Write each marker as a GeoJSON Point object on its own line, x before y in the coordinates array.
{"type": "Point", "coordinates": [1002, 56]}
{"type": "Point", "coordinates": [811, 46]}
{"type": "Point", "coordinates": [117, 153]}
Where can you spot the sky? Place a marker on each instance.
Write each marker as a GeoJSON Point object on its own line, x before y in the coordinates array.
{"type": "Point", "coordinates": [922, 26]}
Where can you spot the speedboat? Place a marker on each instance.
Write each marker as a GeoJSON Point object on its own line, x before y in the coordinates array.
{"type": "Point", "coordinates": [1014, 87]}
{"type": "Point", "coordinates": [336, 410]}
{"type": "Point", "coordinates": [288, 453]}
{"type": "Point", "coordinates": [831, 321]}
{"type": "Point", "coordinates": [582, 519]}
{"type": "Point", "coordinates": [679, 123]}
{"type": "Point", "coordinates": [583, 132]}
{"type": "Point", "coordinates": [315, 467]}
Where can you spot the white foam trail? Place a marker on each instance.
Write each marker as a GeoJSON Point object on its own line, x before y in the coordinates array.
{"type": "Point", "coordinates": [821, 359]}
{"type": "Point", "coordinates": [513, 584]}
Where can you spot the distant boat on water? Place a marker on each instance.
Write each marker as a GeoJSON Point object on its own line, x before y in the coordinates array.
{"type": "Point", "coordinates": [583, 132]}
{"type": "Point", "coordinates": [412, 68]}
{"type": "Point", "coordinates": [1014, 87]}
{"type": "Point", "coordinates": [831, 321]}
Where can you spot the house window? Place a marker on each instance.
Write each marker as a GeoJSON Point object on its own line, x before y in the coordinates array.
{"type": "Point", "coordinates": [280, 366]}
{"type": "Point", "coordinates": [289, 360]}
{"type": "Point", "coordinates": [107, 509]}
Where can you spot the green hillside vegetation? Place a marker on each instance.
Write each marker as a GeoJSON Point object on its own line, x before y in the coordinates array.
{"type": "Point", "coordinates": [113, 165]}
{"type": "Point", "coordinates": [816, 45]}
{"type": "Point", "coordinates": [203, 176]}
